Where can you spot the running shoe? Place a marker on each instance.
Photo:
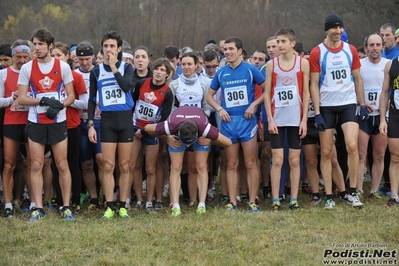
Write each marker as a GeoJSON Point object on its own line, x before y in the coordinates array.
{"type": "Point", "coordinates": [123, 213]}
{"type": "Point", "coordinates": [306, 189]}
{"type": "Point", "coordinates": [282, 199]}
{"type": "Point", "coordinates": [354, 200]}
{"type": "Point", "coordinates": [266, 192]}
{"type": "Point", "coordinates": [315, 200]}
{"type": "Point", "coordinates": [244, 198]}
{"type": "Point", "coordinates": [257, 201]}
{"type": "Point", "coordinates": [158, 205]}
{"type": "Point", "coordinates": [128, 206]}
{"type": "Point", "coordinates": [392, 202]}
{"type": "Point", "coordinates": [109, 214]}
{"type": "Point", "coordinates": [360, 193]}
{"type": "Point", "coordinates": [294, 205]}
{"type": "Point", "coordinates": [210, 195]}
{"type": "Point", "coordinates": [150, 209]}
{"type": "Point", "coordinates": [201, 210]}
{"type": "Point", "coordinates": [276, 206]}
{"type": "Point", "coordinates": [176, 211]}
{"type": "Point", "coordinates": [191, 204]}
{"type": "Point", "coordinates": [224, 200]}
{"type": "Point", "coordinates": [36, 215]}
{"type": "Point", "coordinates": [84, 197]}
{"type": "Point", "coordinates": [75, 208]}
{"type": "Point", "coordinates": [8, 213]}
{"type": "Point", "coordinates": [67, 214]}
{"type": "Point", "coordinates": [25, 206]}
{"type": "Point", "coordinates": [94, 207]}
{"type": "Point", "coordinates": [330, 204]}
{"type": "Point", "coordinates": [54, 203]}
{"type": "Point", "coordinates": [385, 191]}
{"type": "Point", "coordinates": [231, 207]}
{"type": "Point", "coordinates": [375, 195]}
{"type": "Point", "coordinates": [139, 205]}
{"type": "Point", "coordinates": [47, 205]}
{"type": "Point", "coordinates": [16, 204]}
{"type": "Point", "coordinates": [252, 207]}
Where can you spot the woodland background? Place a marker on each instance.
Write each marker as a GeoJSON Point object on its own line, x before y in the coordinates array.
{"type": "Point", "coordinates": [157, 23]}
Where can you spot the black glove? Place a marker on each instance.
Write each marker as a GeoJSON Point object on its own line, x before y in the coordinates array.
{"type": "Point", "coordinates": [364, 114]}
{"type": "Point", "coordinates": [52, 112]}
{"type": "Point", "coordinates": [46, 101]}
{"type": "Point", "coordinates": [319, 122]}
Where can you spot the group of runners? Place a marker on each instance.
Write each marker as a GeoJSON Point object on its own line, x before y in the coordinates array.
{"type": "Point", "coordinates": [189, 115]}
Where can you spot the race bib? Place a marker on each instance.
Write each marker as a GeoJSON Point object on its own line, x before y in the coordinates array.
{"type": "Point", "coordinates": [285, 96]}
{"type": "Point", "coordinates": [187, 102]}
{"type": "Point", "coordinates": [236, 96]}
{"type": "Point", "coordinates": [113, 95]}
{"type": "Point", "coordinates": [43, 109]}
{"type": "Point", "coordinates": [146, 111]}
{"type": "Point", "coordinates": [372, 97]}
{"type": "Point", "coordinates": [338, 75]}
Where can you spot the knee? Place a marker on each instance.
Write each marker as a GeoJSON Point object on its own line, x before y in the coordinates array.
{"type": "Point", "coordinates": [352, 147]}
{"type": "Point", "coordinates": [202, 166]}
{"type": "Point", "coordinates": [379, 157]}
{"type": "Point", "coordinates": [124, 166]}
{"type": "Point", "coordinates": [362, 156]}
{"type": "Point", "coordinates": [277, 161]}
{"type": "Point", "coordinates": [150, 170]}
{"type": "Point", "coordinates": [232, 166]}
{"type": "Point", "coordinates": [108, 166]}
{"type": "Point", "coordinates": [251, 165]}
{"type": "Point", "coordinates": [394, 158]}
{"type": "Point", "coordinates": [62, 166]}
{"type": "Point", "coordinates": [87, 166]}
{"type": "Point", "coordinates": [9, 167]}
{"type": "Point", "coordinates": [311, 163]}
{"type": "Point", "coordinates": [36, 166]}
{"type": "Point", "coordinates": [294, 162]}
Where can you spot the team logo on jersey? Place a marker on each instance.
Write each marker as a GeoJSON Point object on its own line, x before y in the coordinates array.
{"type": "Point", "coordinates": [149, 97]}
{"type": "Point", "coordinates": [46, 82]}
{"type": "Point", "coordinates": [286, 81]}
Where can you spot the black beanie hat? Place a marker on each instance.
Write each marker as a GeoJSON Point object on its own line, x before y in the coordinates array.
{"type": "Point", "coordinates": [333, 20]}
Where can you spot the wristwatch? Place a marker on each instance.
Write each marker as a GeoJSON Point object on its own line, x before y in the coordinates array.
{"type": "Point", "coordinates": [89, 125]}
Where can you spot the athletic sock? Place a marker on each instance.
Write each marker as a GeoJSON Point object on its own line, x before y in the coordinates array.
{"type": "Point", "coordinates": [148, 204]}
{"type": "Point", "coordinates": [330, 196]}
{"type": "Point", "coordinates": [276, 200]}
{"type": "Point", "coordinates": [176, 205]}
{"type": "Point", "coordinates": [352, 190]}
{"type": "Point", "coordinates": [293, 199]}
{"type": "Point", "coordinates": [122, 204]}
{"type": "Point", "coordinates": [342, 194]}
{"type": "Point", "coordinates": [8, 206]}
{"type": "Point", "coordinates": [110, 204]}
{"type": "Point", "coordinates": [94, 201]}
{"type": "Point", "coordinates": [32, 205]}
{"type": "Point", "coordinates": [201, 204]}
{"type": "Point", "coordinates": [316, 195]}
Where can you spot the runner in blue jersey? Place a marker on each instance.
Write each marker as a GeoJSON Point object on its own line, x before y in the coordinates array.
{"type": "Point", "coordinates": [111, 84]}
{"type": "Point", "coordinates": [239, 123]}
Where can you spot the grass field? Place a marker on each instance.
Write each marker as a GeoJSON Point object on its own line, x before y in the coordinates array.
{"type": "Point", "coordinates": [215, 238]}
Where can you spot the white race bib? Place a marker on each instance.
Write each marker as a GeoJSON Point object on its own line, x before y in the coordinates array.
{"type": "Point", "coordinates": [236, 96]}
{"type": "Point", "coordinates": [338, 75]}
{"type": "Point", "coordinates": [372, 97]}
{"type": "Point", "coordinates": [285, 96]}
{"type": "Point", "coordinates": [146, 111]}
{"type": "Point", "coordinates": [113, 95]}
{"type": "Point", "coordinates": [43, 109]}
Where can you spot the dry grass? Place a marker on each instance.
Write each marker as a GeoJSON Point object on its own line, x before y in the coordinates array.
{"type": "Point", "coordinates": [216, 238]}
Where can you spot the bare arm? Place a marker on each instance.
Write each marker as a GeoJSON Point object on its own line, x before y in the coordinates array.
{"type": "Point", "coordinates": [358, 86]}
{"type": "Point", "coordinates": [222, 141]}
{"type": "Point", "coordinates": [315, 91]}
{"type": "Point", "coordinates": [71, 95]}
{"type": "Point", "coordinates": [384, 99]}
{"type": "Point", "coordinates": [267, 99]}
